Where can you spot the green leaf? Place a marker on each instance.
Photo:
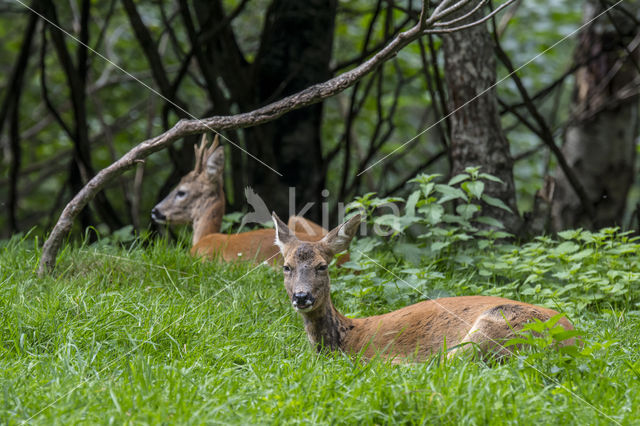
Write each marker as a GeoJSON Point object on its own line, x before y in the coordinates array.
{"type": "Point", "coordinates": [410, 208]}
{"type": "Point", "coordinates": [397, 223]}
{"type": "Point", "coordinates": [427, 188]}
{"type": "Point", "coordinates": [565, 248]}
{"type": "Point", "coordinates": [496, 202]}
{"type": "Point", "coordinates": [432, 213]}
{"type": "Point", "coordinates": [474, 188]}
{"type": "Point", "coordinates": [458, 178]}
{"type": "Point", "coordinates": [425, 178]}
{"type": "Point", "coordinates": [582, 254]}
{"type": "Point", "coordinates": [450, 193]}
{"type": "Point", "coordinates": [551, 322]}
{"type": "Point", "coordinates": [571, 234]}
{"type": "Point", "coordinates": [467, 210]}
{"type": "Point", "coordinates": [492, 178]}
{"type": "Point", "coordinates": [439, 245]}
{"type": "Point", "coordinates": [566, 334]}
{"type": "Point", "coordinates": [409, 252]}
{"type": "Point", "coordinates": [488, 220]}
{"type": "Point", "coordinates": [473, 171]}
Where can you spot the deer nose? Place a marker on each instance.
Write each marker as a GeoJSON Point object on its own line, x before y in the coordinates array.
{"type": "Point", "coordinates": [157, 216]}
{"type": "Point", "coordinates": [302, 300]}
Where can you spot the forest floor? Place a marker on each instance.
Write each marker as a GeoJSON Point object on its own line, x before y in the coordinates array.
{"type": "Point", "coordinates": [151, 335]}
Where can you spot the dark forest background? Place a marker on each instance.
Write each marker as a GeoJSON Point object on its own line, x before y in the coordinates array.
{"type": "Point", "coordinates": [561, 132]}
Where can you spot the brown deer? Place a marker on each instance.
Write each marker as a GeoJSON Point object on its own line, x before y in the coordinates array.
{"type": "Point", "coordinates": [199, 199]}
{"type": "Point", "coordinates": [412, 333]}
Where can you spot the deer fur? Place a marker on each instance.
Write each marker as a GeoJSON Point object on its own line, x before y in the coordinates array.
{"type": "Point", "coordinates": [199, 199]}
{"type": "Point", "coordinates": [412, 333]}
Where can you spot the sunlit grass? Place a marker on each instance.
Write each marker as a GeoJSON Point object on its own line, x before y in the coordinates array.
{"type": "Point", "coordinates": [152, 335]}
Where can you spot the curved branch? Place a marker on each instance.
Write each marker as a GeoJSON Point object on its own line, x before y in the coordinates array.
{"type": "Point", "coordinates": [311, 95]}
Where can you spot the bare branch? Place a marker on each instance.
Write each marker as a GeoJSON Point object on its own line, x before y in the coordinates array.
{"type": "Point", "coordinates": [462, 17]}
{"type": "Point", "coordinates": [544, 132]}
{"type": "Point", "coordinates": [469, 25]}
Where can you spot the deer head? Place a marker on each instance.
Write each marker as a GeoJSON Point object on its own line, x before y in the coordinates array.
{"type": "Point", "coordinates": [199, 197]}
{"type": "Point", "coordinates": [306, 274]}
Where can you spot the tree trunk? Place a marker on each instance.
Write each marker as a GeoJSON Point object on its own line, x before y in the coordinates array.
{"type": "Point", "coordinates": [477, 138]}
{"type": "Point", "coordinates": [220, 59]}
{"type": "Point", "coordinates": [600, 139]}
{"type": "Point", "coordinates": [294, 53]}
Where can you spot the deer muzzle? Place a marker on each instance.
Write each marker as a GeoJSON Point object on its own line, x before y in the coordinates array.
{"type": "Point", "coordinates": [157, 216]}
{"type": "Point", "coordinates": [302, 301]}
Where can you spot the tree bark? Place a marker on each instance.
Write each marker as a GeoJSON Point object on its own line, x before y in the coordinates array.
{"type": "Point", "coordinates": [220, 58]}
{"type": "Point", "coordinates": [11, 105]}
{"type": "Point", "coordinates": [600, 139]}
{"type": "Point", "coordinates": [477, 138]}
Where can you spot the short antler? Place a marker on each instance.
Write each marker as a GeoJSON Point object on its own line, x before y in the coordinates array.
{"type": "Point", "coordinates": [202, 152]}
{"type": "Point", "coordinates": [199, 151]}
{"type": "Point", "coordinates": [207, 154]}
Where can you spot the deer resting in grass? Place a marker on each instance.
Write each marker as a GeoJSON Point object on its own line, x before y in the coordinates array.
{"type": "Point", "coordinates": [199, 199]}
{"type": "Point", "coordinates": [412, 333]}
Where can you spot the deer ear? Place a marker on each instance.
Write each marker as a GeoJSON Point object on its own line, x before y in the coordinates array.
{"type": "Point", "coordinates": [338, 238]}
{"type": "Point", "coordinates": [215, 164]}
{"type": "Point", "coordinates": [283, 234]}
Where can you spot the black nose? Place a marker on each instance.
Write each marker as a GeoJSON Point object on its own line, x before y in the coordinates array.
{"type": "Point", "coordinates": [156, 215]}
{"type": "Point", "coordinates": [302, 300]}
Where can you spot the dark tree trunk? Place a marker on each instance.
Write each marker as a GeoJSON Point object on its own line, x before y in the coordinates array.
{"type": "Point", "coordinates": [220, 57]}
{"type": "Point", "coordinates": [294, 53]}
{"type": "Point", "coordinates": [477, 138]}
{"type": "Point", "coordinates": [600, 139]}
{"type": "Point", "coordinates": [181, 156]}
{"type": "Point", "coordinates": [76, 77]}
{"type": "Point", "coordinates": [11, 104]}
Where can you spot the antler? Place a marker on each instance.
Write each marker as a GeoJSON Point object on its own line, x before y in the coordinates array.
{"type": "Point", "coordinates": [202, 152]}
{"type": "Point", "coordinates": [208, 152]}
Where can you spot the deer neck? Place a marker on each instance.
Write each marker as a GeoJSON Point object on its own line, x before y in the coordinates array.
{"type": "Point", "coordinates": [210, 221]}
{"type": "Point", "coordinates": [327, 328]}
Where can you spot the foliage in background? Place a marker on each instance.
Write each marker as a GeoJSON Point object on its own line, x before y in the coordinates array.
{"type": "Point", "coordinates": [384, 110]}
{"type": "Point", "coordinates": [147, 335]}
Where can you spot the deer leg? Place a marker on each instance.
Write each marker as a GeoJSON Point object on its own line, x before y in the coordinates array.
{"type": "Point", "coordinates": [495, 327]}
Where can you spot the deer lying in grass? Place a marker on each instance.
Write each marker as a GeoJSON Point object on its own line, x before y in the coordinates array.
{"type": "Point", "coordinates": [199, 199]}
{"type": "Point", "coordinates": [412, 333]}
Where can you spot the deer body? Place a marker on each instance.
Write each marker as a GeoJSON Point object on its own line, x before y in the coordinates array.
{"type": "Point", "coordinates": [199, 199]}
{"type": "Point", "coordinates": [256, 246]}
{"type": "Point", "coordinates": [412, 333]}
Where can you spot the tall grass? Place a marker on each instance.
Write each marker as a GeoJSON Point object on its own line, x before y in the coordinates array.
{"type": "Point", "coordinates": [152, 335]}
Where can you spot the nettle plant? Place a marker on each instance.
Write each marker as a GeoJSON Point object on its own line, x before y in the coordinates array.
{"type": "Point", "coordinates": [437, 221]}
{"type": "Point", "coordinates": [438, 214]}
{"type": "Point", "coordinates": [441, 244]}
{"type": "Point", "coordinates": [581, 269]}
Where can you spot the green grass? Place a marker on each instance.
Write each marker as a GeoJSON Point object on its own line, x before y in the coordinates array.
{"type": "Point", "coordinates": [153, 336]}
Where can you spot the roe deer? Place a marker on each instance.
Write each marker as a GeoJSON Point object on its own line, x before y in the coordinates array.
{"type": "Point", "coordinates": [412, 333]}
{"type": "Point", "coordinates": [199, 199]}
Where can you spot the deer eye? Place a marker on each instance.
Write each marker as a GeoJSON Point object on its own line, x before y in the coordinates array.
{"type": "Point", "coordinates": [285, 268]}
{"type": "Point", "coordinates": [180, 194]}
{"type": "Point", "coordinates": [321, 268]}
